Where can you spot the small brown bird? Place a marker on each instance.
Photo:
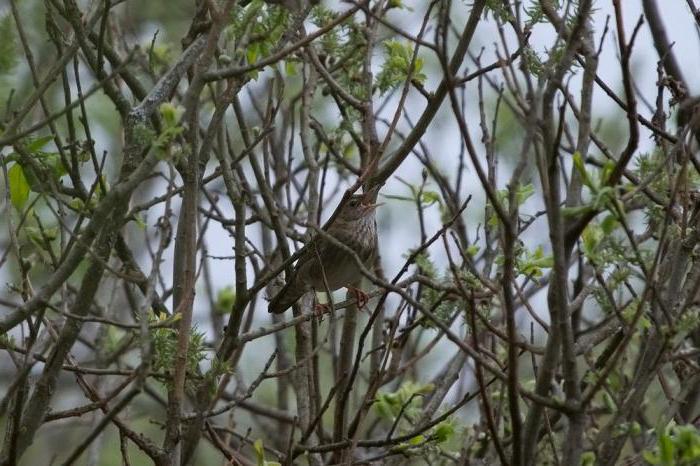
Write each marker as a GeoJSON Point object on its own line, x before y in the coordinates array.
{"type": "Point", "coordinates": [354, 226]}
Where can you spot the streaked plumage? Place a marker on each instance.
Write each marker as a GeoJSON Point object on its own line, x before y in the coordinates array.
{"type": "Point", "coordinates": [354, 226]}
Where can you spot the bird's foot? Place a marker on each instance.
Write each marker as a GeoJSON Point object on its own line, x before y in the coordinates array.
{"type": "Point", "coordinates": [360, 296]}
{"type": "Point", "coordinates": [321, 309]}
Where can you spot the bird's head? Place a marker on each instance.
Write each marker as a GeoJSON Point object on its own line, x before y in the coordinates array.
{"type": "Point", "coordinates": [360, 206]}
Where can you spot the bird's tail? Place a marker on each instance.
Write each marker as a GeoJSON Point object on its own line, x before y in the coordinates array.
{"type": "Point", "coordinates": [286, 297]}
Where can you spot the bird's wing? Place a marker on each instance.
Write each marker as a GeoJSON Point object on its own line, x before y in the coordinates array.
{"type": "Point", "coordinates": [297, 282]}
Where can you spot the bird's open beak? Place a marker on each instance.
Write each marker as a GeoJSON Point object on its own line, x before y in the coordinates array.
{"type": "Point", "coordinates": [369, 207]}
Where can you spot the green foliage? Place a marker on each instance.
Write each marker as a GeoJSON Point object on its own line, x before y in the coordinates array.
{"type": "Point", "coordinates": [535, 14]}
{"type": "Point", "coordinates": [342, 50]}
{"type": "Point", "coordinates": [531, 263]}
{"type": "Point", "coordinates": [541, 67]}
{"type": "Point", "coordinates": [424, 444]}
{"type": "Point", "coordinates": [419, 195]}
{"type": "Point", "coordinates": [443, 431]}
{"type": "Point", "coordinates": [216, 371]}
{"type": "Point", "coordinates": [407, 401]}
{"type": "Point", "coordinates": [498, 9]}
{"type": "Point", "coordinates": [341, 143]}
{"type": "Point", "coordinates": [522, 193]}
{"type": "Point", "coordinates": [596, 240]}
{"type": "Point", "coordinates": [397, 66]}
{"type": "Point", "coordinates": [688, 322]}
{"type": "Point", "coordinates": [40, 168]}
{"type": "Point", "coordinates": [402, 408]}
{"type": "Point", "coordinates": [19, 187]}
{"type": "Point", "coordinates": [676, 446]}
{"type": "Point", "coordinates": [533, 63]}
{"type": "Point", "coordinates": [290, 68]}
{"type": "Point", "coordinates": [225, 299]}
{"type": "Point", "coordinates": [143, 135]}
{"type": "Point", "coordinates": [170, 115]}
{"type": "Point", "coordinates": [160, 57]}
{"type": "Point", "coordinates": [472, 250]}
{"type": "Point", "coordinates": [588, 458]}
{"type": "Point", "coordinates": [165, 347]}
{"type": "Point", "coordinates": [8, 49]}
{"type": "Point", "coordinates": [260, 454]}
{"type": "Point", "coordinates": [615, 282]}
{"type": "Point", "coordinates": [321, 16]}
{"type": "Point", "coordinates": [630, 313]}
{"type": "Point", "coordinates": [595, 185]}
{"type": "Point", "coordinates": [603, 196]}
{"type": "Point", "coordinates": [7, 341]}
{"type": "Point", "coordinates": [429, 198]}
{"type": "Point", "coordinates": [425, 264]}
{"type": "Point", "coordinates": [255, 31]}
{"type": "Point", "coordinates": [430, 296]}
{"type": "Point", "coordinates": [652, 169]}
{"type": "Point", "coordinates": [398, 4]}
{"type": "Point", "coordinates": [39, 237]}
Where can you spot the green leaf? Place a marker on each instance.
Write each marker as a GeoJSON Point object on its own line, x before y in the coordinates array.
{"type": "Point", "coordinates": [35, 235]}
{"type": "Point", "coordinates": [38, 143]}
{"type": "Point", "coordinates": [8, 50]}
{"type": "Point", "coordinates": [444, 431]}
{"type": "Point", "coordinates": [666, 450]}
{"type": "Point", "coordinates": [650, 457]}
{"type": "Point", "coordinates": [171, 114]}
{"type": "Point", "coordinates": [76, 204]}
{"type": "Point", "coordinates": [608, 224]}
{"type": "Point", "coordinates": [635, 428]}
{"type": "Point", "coordinates": [531, 263]}
{"type": "Point", "coordinates": [383, 408]}
{"type": "Point", "coordinates": [588, 458]}
{"type": "Point", "coordinates": [591, 237]}
{"type": "Point", "coordinates": [290, 68]}
{"type": "Point", "coordinates": [252, 53]}
{"type": "Point", "coordinates": [575, 211]}
{"type": "Point", "coordinates": [397, 66]}
{"type": "Point", "coordinates": [52, 161]}
{"type": "Point", "coordinates": [225, 299]}
{"type": "Point", "coordinates": [425, 389]}
{"type": "Point", "coordinates": [524, 192]}
{"type": "Point", "coordinates": [607, 170]}
{"type": "Point", "coordinates": [430, 197]}
{"type": "Point", "coordinates": [19, 187]}
{"type": "Point", "coordinates": [138, 219]}
{"type": "Point", "coordinates": [677, 446]}
{"type": "Point", "coordinates": [259, 452]}
{"type": "Point", "coordinates": [581, 169]}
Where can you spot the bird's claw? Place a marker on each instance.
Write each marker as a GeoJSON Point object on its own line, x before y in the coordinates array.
{"type": "Point", "coordinates": [360, 296]}
{"type": "Point", "coordinates": [320, 309]}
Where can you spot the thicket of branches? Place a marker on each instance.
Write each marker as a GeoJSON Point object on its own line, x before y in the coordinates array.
{"type": "Point", "coordinates": [156, 189]}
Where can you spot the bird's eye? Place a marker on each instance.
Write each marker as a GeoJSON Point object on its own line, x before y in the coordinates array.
{"type": "Point", "coordinates": [353, 203]}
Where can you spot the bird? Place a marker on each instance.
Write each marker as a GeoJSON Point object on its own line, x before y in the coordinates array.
{"type": "Point", "coordinates": [355, 226]}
